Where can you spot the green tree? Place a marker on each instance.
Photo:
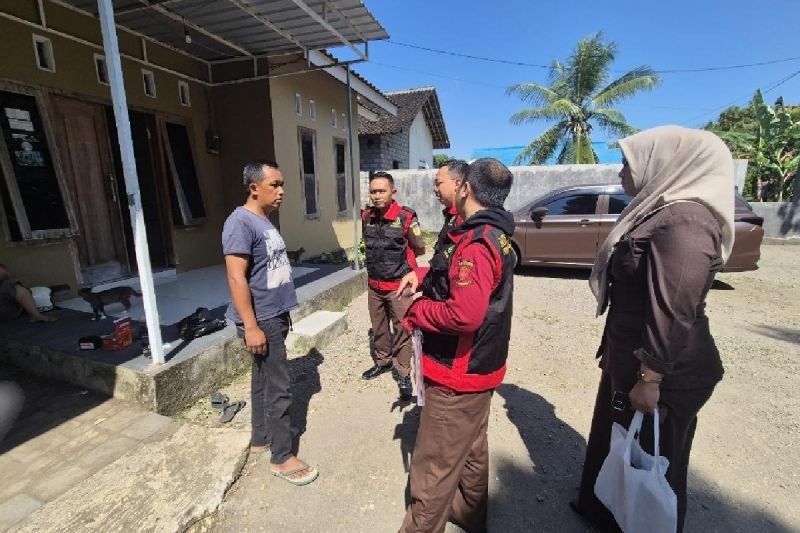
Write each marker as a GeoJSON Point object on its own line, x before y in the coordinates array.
{"type": "Point", "coordinates": [578, 98]}
{"type": "Point", "coordinates": [439, 159]}
{"type": "Point", "coordinates": [769, 136]}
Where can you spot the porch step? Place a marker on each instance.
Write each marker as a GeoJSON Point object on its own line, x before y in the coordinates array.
{"type": "Point", "coordinates": [159, 277]}
{"type": "Point", "coordinates": [317, 330]}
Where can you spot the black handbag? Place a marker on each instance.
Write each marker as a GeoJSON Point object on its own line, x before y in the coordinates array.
{"type": "Point", "coordinates": [198, 324]}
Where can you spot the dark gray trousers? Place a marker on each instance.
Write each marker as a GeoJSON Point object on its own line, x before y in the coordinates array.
{"type": "Point", "coordinates": [270, 394]}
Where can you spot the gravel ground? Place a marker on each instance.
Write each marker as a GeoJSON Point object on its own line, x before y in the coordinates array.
{"type": "Point", "coordinates": [743, 474]}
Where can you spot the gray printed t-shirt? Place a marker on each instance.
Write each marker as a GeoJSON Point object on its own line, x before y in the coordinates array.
{"type": "Point", "coordinates": [269, 273]}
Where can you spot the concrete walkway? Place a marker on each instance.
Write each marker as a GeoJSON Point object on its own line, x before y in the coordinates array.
{"type": "Point", "coordinates": [75, 460]}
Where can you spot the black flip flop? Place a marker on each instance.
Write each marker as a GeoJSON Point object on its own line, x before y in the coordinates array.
{"type": "Point", "coordinates": [218, 400]}
{"type": "Point", "coordinates": [230, 410]}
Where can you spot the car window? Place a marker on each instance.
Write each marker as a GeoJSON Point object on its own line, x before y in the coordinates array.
{"type": "Point", "coordinates": [573, 204]}
{"type": "Point", "coordinates": [618, 202]}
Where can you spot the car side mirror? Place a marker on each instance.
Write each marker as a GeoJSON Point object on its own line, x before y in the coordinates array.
{"type": "Point", "coordinates": [538, 213]}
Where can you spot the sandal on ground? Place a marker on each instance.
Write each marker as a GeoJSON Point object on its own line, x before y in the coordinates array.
{"type": "Point", "coordinates": [230, 410]}
{"type": "Point", "coordinates": [218, 400]}
{"type": "Point", "coordinates": [304, 480]}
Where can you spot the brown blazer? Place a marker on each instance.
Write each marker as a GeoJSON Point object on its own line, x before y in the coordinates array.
{"type": "Point", "coordinates": [660, 274]}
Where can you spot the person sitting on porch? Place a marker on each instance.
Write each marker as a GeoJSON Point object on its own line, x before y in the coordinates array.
{"type": "Point", "coordinates": [16, 298]}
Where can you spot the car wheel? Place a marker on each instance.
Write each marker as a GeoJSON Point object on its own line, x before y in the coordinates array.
{"type": "Point", "coordinates": [516, 252]}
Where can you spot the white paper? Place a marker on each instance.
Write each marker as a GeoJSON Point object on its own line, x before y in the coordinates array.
{"type": "Point", "coordinates": [18, 124]}
{"type": "Point", "coordinates": [20, 114]}
{"type": "Point", "coordinates": [419, 386]}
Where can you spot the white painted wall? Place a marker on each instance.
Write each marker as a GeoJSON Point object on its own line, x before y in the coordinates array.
{"type": "Point", "coordinates": [420, 143]}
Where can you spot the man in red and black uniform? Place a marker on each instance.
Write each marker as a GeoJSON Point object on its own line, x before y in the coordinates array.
{"type": "Point", "coordinates": [465, 318]}
{"type": "Point", "coordinates": [451, 174]}
{"type": "Point", "coordinates": [393, 240]}
{"type": "Point", "coordinates": [448, 179]}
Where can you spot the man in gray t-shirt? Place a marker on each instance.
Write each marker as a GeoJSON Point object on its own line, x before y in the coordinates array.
{"type": "Point", "coordinates": [262, 293]}
{"type": "Point", "coordinates": [270, 275]}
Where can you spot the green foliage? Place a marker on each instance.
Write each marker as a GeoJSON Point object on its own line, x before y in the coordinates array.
{"type": "Point", "coordinates": [769, 136]}
{"type": "Point", "coordinates": [578, 98]}
{"type": "Point", "coordinates": [439, 159]}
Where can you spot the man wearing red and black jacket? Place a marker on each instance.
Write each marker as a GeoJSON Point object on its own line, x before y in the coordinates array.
{"type": "Point", "coordinates": [449, 177]}
{"type": "Point", "coordinates": [465, 345]}
{"type": "Point", "coordinates": [392, 240]}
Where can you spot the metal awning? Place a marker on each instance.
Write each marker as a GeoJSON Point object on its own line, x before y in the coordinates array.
{"type": "Point", "coordinates": [225, 29]}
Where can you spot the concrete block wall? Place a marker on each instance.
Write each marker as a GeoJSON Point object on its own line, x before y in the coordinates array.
{"type": "Point", "coordinates": [781, 219]}
{"type": "Point", "coordinates": [415, 187]}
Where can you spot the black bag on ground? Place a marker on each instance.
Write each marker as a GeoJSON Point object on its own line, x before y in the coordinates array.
{"type": "Point", "coordinates": [199, 323]}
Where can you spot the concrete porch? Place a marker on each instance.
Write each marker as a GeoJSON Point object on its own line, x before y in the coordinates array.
{"type": "Point", "coordinates": [191, 369]}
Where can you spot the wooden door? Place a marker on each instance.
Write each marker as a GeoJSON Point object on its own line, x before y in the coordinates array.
{"type": "Point", "coordinates": [86, 154]}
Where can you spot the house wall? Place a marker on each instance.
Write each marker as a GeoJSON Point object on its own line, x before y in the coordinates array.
{"type": "Point", "coordinates": [239, 144]}
{"type": "Point", "coordinates": [55, 261]}
{"type": "Point", "coordinates": [331, 229]}
{"type": "Point", "coordinates": [420, 144]}
{"type": "Point", "coordinates": [381, 151]}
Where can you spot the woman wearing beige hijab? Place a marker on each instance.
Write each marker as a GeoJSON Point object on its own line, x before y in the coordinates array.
{"type": "Point", "coordinates": [653, 273]}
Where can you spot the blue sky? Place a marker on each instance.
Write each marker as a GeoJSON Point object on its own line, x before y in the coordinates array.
{"type": "Point", "coordinates": [662, 34]}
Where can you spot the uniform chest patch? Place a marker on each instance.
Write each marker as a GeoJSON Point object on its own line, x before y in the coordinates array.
{"type": "Point", "coordinates": [396, 224]}
{"type": "Point", "coordinates": [505, 244]}
{"type": "Point", "coordinates": [465, 267]}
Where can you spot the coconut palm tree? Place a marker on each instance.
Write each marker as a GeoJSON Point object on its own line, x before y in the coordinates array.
{"type": "Point", "coordinates": [578, 98]}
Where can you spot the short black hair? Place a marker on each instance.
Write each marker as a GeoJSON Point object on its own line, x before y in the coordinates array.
{"type": "Point", "coordinates": [254, 171]}
{"type": "Point", "coordinates": [383, 175]}
{"type": "Point", "coordinates": [490, 181]}
{"type": "Point", "coordinates": [459, 167]}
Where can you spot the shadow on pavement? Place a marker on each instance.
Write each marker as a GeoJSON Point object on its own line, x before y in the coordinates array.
{"type": "Point", "coordinates": [305, 384]}
{"type": "Point", "coordinates": [718, 285]}
{"type": "Point", "coordinates": [780, 333]}
{"type": "Point", "coordinates": [538, 499]}
{"type": "Point", "coordinates": [32, 406]}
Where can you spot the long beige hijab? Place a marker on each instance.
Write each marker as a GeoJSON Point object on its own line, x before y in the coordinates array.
{"type": "Point", "coordinates": [671, 164]}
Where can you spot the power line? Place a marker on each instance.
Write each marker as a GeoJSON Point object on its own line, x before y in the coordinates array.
{"type": "Point", "coordinates": [537, 65]}
{"type": "Point", "coordinates": [770, 87]}
{"type": "Point", "coordinates": [479, 58]}
{"type": "Point", "coordinates": [475, 82]}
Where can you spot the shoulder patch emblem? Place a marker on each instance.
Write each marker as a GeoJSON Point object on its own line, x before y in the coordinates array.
{"type": "Point", "coordinates": [465, 267]}
{"type": "Point", "coordinates": [415, 229]}
{"type": "Point", "coordinates": [505, 244]}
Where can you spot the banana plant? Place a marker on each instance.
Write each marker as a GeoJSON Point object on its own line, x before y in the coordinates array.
{"type": "Point", "coordinates": [774, 148]}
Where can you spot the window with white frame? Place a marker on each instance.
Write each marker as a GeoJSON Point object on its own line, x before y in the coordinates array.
{"type": "Point", "coordinates": [312, 110]}
{"type": "Point", "coordinates": [149, 81]}
{"type": "Point", "coordinates": [43, 48]}
{"type": "Point", "coordinates": [101, 69]}
{"type": "Point", "coordinates": [340, 170]}
{"type": "Point", "coordinates": [183, 93]}
{"type": "Point", "coordinates": [298, 105]}
{"type": "Point", "coordinates": [307, 140]}
{"type": "Point", "coordinates": [334, 118]}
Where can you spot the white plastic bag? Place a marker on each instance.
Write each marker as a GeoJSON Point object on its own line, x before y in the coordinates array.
{"type": "Point", "coordinates": [632, 485]}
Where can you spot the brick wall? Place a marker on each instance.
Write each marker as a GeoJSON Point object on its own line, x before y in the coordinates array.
{"type": "Point", "coordinates": [379, 152]}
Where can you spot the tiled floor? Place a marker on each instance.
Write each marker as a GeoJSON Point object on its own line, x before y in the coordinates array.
{"type": "Point", "coordinates": [62, 435]}
{"type": "Point", "coordinates": [179, 296]}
